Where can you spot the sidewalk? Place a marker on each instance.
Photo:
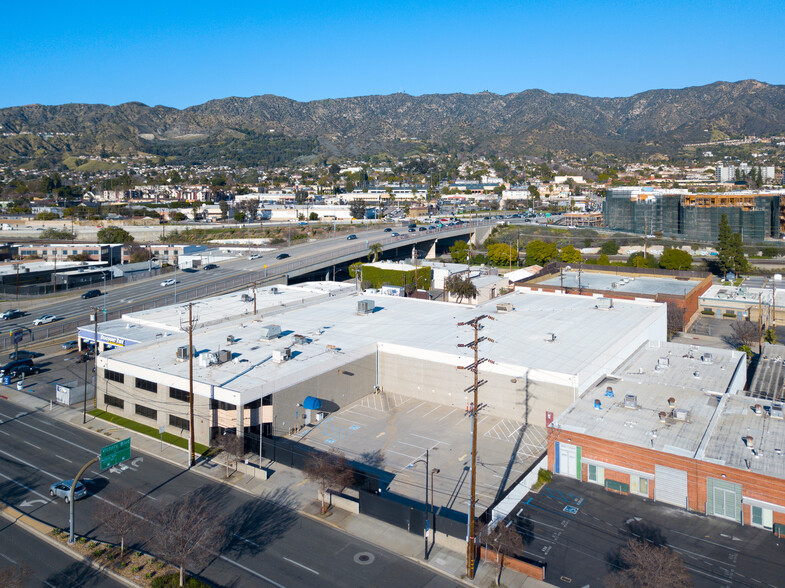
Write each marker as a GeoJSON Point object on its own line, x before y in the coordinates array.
{"type": "Point", "coordinates": [297, 488]}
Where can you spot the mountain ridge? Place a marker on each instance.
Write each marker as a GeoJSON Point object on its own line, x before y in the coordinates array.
{"type": "Point", "coordinates": [528, 122]}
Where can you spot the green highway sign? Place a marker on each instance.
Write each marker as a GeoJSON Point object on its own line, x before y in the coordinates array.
{"type": "Point", "coordinates": [113, 454]}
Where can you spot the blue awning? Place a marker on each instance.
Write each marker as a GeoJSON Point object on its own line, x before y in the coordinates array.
{"type": "Point", "coordinates": [311, 403]}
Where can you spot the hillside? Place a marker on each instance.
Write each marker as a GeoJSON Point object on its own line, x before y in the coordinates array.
{"type": "Point", "coordinates": [268, 130]}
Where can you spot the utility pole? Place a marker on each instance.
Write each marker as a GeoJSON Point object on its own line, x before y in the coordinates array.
{"type": "Point", "coordinates": [189, 328]}
{"type": "Point", "coordinates": [95, 310]}
{"type": "Point", "coordinates": [760, 324]}
{"type": "Point", "coordinates": [16, 265]}
{"type": "Point", "coordinates": [474, 367]}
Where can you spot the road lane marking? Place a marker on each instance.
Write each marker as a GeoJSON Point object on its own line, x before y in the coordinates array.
{"type": "Point", "coordinates": [301, 565]}
{"type": "Point", "coordinates": [25, 487]}
{"type": "Point", "coordinates": [63, 458]}
{"type": "Point", "coordinates": [36, 446]}
{"type": "Point", "coordinates": [250, 571]}
{"type": "Point", "coordinates": [59, 439]}
{"type": "Point", "coordinates": [246, 540]}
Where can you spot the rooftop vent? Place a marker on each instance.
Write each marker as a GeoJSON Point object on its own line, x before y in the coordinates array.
{"type": "Point", "coordinates": [671, 401]}
{"type": "Point", "coordinates": [230, 339]}
{"type": "Point", "coordinates": [696, 375]}
{"type": "Point", "coordinates": [550, 337]}
{"type": "Point", "coordinates": [680, 414]}
{"type": "Point", "coordinates": [707, 358]}
{"type": "Point", "coordinates": [273, 289]}
{"type": "Point", "coordinates": [630, 401]}
{"type": "Point", "coordinates": [598, 404]}
{"type": "Point", "coordinates": [776, 411]}
{"type": "Point", "coordinates": [365, 306]}
{"type": "Point", "coordinates": [663, 361]}
{"type": "Point", "coordinates": [505, 307]}
{"type": "Point", "coordinates": [748, 441]}
{"type": "Point", "coordinates": [609, 392]}
{"type": "Point", "coordinates": [270, 332]}
{"type": "Point", "coordinates": [282, 355]}
{"type": "Point", "coordinates": [757, 409]}
{"type": "Point", "coordinates": [662, 416]}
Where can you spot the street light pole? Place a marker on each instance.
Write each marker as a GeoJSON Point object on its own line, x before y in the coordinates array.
{"type": "Point", "coordinates": [103, 275]}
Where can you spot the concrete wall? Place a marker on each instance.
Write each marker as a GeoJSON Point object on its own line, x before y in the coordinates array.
{"type": "Point", "coordinates": [445, 384]}
{"type": "Point", "coordinates": [336, 389]}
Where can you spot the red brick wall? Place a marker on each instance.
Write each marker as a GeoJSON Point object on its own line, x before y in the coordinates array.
{"type": "Point", "coordinates": [513, 563]}
{"type": "Point", "coordinates": [754, 485]}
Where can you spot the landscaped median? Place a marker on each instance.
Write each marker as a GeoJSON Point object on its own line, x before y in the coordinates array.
{"type": "Point", "coordinates": [138, 567]}
{"type": "Point", "coordinates": [148, 430]}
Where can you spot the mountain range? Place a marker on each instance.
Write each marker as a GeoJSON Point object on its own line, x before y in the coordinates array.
{"type": "Point", "coordinates": [268, 129]}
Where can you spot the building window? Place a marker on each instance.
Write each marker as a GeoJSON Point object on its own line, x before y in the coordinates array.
{"type": "Point", "coordinates": [178, 394]}
{"type": "Point", "coordinates": [179, 423]}
{"type": "Point", "coordinates": [643, 486]}
{"type": "Point", "coordinates": [762, 517]}
{"type": "Point", "coordinates": [114, 401]}
{"type": "Point", "coordinates": [596, 474]}
{"type": "Point", "coordinates": [217, 404]}
{"type": "Point", "coordinates": [114, 376]}
{"type": "Point", "coordinates": [146, 412]}
{"type": "Point", "coordinates": [147, 385]}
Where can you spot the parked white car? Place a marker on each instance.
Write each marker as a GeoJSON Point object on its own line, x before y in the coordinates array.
{"type": "Point", "coordinates": [47, 318]}
{"type": "Point", "coordinates": [169, 282]}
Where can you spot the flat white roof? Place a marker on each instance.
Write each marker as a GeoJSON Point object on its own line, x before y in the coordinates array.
{"type": "Point", "coordinates": [586, 334]}
{"type": "Point", "coordinates": [639, 284]}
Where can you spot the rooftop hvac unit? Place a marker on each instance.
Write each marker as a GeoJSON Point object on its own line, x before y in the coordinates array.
{"type": "Point", "coordinates": [505, 307]}
{"type": "Point", "coordinates": [550, 337]}
{"type": "Point", "coordinates": [707, 358]}
{"type": "Point", "coordinates": [630, 401]}
{"type": "Point", "coordinates": [224, 355]}
{"type": "Point", "coordinates": [282, 355]}
{"type": "Point", "coordinates": [300, 340]}
{"type": "Point", "coordinates": [246, 298]}
{"type": "Point", "coordinates": [663, 361]}
{"type": "Point", "coordinates": [182, 352]}
{"type": "Point", "coordinates": [273, 289]}
{"type": "Point", "coordinates": [365, 306]}
{"type": "Point", "coordinates": [680, 414]}
{"type": "Point", "coordinates": [230, 339]}
{"type": "Point", "coordinates": [270, 332]}
{"type": "Point", "coordinates": [208, 359]}
{"type": "Point", "coordinates": [776, 411]}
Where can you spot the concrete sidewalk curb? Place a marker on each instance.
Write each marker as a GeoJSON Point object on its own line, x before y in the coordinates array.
{"type": "Point", "coordinates": [42, 530]}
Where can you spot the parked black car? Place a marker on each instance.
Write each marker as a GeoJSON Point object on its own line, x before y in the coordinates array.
{"type": "Point", "coordinates": [24, 370]}
{"type": "Point", "coordinates": [14, 365]}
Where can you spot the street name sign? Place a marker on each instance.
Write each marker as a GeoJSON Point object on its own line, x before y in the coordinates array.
{"type": "Point", "coordinates": [115, 453]}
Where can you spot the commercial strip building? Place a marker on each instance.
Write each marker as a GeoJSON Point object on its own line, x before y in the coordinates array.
{"type": "Point", "coordinates": [746, 303]}
{"type": "Point", "coordinates": [680, 289]}
{"type": "Point", "coordinates": [670, 424]}
{"type": "Point", "coordinates": [677, 213]}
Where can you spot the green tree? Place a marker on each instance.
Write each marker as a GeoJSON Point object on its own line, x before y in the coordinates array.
{"type": "Point", "coordinates": [570, 254]}
{"type": "Point", "coordinates": [114, 234]}
{"type": "Point", "coordinates": [724, 246]}
{"type": "Point", "coordinates": [740, 263]}
{"type": "Point", "coordinates": [502, 254]}
{"type": "Point", "coordinates": [675, 259]}
{"type": "Point", "coordinates": [355, 270]}
{"type": "Point", "coordinates": [224, 206]}
{"type": "Point", "coordinates": [313, 216]}
{"type": "Point", "coordinates": [638, 259]}
{"type": "Point", "coordinates": [239, 216]}
{"type": "Point", "coordinates": [375, 250]}
{"type": "Point", "coordinates": [460, 287]}
{"type": "Point", "coordinates": [539, 253]}
{"type": "Point", "coordinates": [459, 252]}
{"type": "Point", "coordinates": [357, 209]}
{"type": "Point", "coordinates": [609, 247]}
{"type": "Point", "coordinates": [603, 260]}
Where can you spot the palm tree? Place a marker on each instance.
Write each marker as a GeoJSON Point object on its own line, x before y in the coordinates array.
{"type": "Point", "coordinates": [375, 250]}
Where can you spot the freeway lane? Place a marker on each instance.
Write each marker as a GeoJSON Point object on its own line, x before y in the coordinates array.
{"type": "Point", "coordinates": [271, 543]}
{"type": "Point", "coordinates": [50, 566]}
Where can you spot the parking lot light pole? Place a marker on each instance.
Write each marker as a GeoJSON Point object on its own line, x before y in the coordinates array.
{"type": "Point", "coordinates": [425, 533]}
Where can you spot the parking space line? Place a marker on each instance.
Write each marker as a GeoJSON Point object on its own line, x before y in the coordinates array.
{"type": "Point", "coordinates": [448, 414]}
{"type": "Point", "coordinates": [414, 408]}
{"type": "Point", "coordinates": [437, 407]}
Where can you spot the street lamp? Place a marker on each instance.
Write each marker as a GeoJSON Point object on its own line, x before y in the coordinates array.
{"type": "Point", "coordinates": [427, 470]}
{"type": "Point", "coordinates": [103, 276]}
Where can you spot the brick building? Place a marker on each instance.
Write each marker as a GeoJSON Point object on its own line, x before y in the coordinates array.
{"type": "Point", "coordinates": [672, 425]}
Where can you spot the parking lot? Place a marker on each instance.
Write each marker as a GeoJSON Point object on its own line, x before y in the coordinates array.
{"type": "Point", "coordinates": [577, 529]}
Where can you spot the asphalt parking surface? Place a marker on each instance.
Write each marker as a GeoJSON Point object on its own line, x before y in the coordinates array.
{"type": "Point", "coordinates": [577, 530]}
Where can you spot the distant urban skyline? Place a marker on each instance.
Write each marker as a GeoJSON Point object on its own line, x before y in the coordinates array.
{"type": "Point", "coordinates": [180, 54]}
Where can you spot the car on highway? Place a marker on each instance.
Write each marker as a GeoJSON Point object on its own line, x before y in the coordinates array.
{"type": "Point", "coordinates": [351, 237]}
{"type": "Point", "coordinates": [24, 371]}
{"type": "Point", "coordinates": [255, 256]}
{"type": "Point", "coordinates": [169, 282]}
{"type": "Point", "coordinates": [395, 235]}
{"type": "Point", "coordinates": [423, 228]}
{"type": "Point", "coordinates": [11, 314]}
{"type": "Point", "coordinates": [412, 230]}
{"type": "Point", "coordinates": [388, 230]}
{"type": "Point", "coordinates": [91, 294]}
{"type": "Point", "coordinates": [45, 319]}
{"type": "Point", "coordinates": [15, 365]}
{"type": "Point", "coordinates": [282, 256]}
{"type": "Point", "coordinates": [63, 490]}
{"type": "Point", "coordinates": [24, 354]}
{"type": "Point", "coordinates": [68, 345]}
{"type": "Point", "coordinates": [210, 266]}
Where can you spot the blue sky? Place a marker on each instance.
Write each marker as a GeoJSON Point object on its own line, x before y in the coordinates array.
{"type": "Point", "coordinates": [184, 53]}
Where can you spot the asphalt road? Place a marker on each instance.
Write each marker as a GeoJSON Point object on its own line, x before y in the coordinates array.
{"type": "Point", "coordinates": [271, 544]}
{"type": "Point", "coordinates": [50, 566]}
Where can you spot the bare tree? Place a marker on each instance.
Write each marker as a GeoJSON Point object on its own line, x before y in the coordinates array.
{"type": "Point", "coordinates": [746, 332]}
{"type": "Point", "coordinates": [675, 319]}
{"type": "Point", "coordinates": [645, 565]}
{"type": "Point", "coordinates": [233, 448]}
{"type": "Point", "coordinates": [252, 208]}
{"type": "Point", "coordinates": [187, 531]}
{"type": "Point", "coordinates": [14, 576]}
{"type": "Point", "coordinates": [115, 513]}
{"type": "Point", "coordinates": [502, 540]}
{"type": "Point", "coordinates": [328, 469]}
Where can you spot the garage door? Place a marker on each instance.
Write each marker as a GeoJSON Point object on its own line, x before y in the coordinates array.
{"type": "Point", "coordinates": [569, 459]}
{"type": "Point", "coordinates": [670, 486]}
{"type": "Point", "coordinates": [723, 499]}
